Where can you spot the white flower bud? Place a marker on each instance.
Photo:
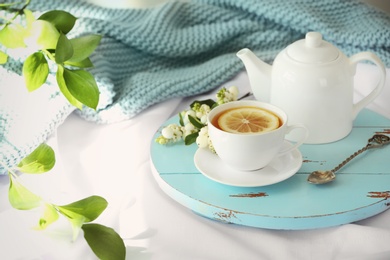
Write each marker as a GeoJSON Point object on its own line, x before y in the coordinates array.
{"type": "Point", "coordinates": [167, 132]}
{"type": "Point", "coordinates": [203, 119]}
{"type": "Point", "coordinates": [204, 131]}
{"type": "Point", "coordinates": [189, 127]}
{"type": "Point", "coordinates": [205, 108]}
{"type": "Point", "coordinates": [190, 113]}
{"type": "Point", "coordinates": [234, 91]}
{"type": "Point", "coordinates": [177, 132]}
{"type": "Point", "coordinates": [202, 141]}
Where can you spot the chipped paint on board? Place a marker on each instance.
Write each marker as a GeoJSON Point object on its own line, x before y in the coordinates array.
{"type": "Point", "coordinates": [225, 216]}
{"type": "Point", "coordinates": [385, 131]}
{"type": "Point", "coordinates": [379, 194]}
{"type": "Point", "coordinates": [313, 161]}
{"type": "Point", "coordinates": [250, 195]}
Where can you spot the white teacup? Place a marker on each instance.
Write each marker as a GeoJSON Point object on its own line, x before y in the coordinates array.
{"type": "Point", "coordinates": [248, 152]}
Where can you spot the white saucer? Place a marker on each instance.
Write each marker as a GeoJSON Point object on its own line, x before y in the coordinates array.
{"type": "Point", "coordinates": [279, 169]}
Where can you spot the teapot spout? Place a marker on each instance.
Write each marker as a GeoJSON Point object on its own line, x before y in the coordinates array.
{"type": "Point", "coordinates": [259, 74]}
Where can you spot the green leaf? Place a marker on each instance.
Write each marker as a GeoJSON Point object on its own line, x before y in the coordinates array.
{"type": "Point", "coordinates": [12, 36]}
{"type": "Point", "coordinates": [82, 211]}
{"type": "Point", "coordinates": [3, 58]}
{"type": "Point", "coordinates": [42, 35]}
{"type": "Point", "coordinates": [89, 208]}
{"type": "Point", "coordinates": [77, 222]}
{"type": "Point", "coordinates": [8, 4]}
{"type": "Point", "coordinates": [50, 215]}
{"type": "Point", "coordinates": [191, 138]}
{"type": "Point", "coordinates": [82, 86]}
{"type": "Point", "coordinates": [87, 63]}
{"type": "Point", "coordinates": [42, 159]}
{"type": "Point", "coordinates": [195, 122]}
{"type": "Point", "coordinates": [215, 105]}
{"type": "Point", "coordinates": [35, 71]}
{"type": "Point", "coordinates": [64, 49]}
{"type": "Point", "coordinates": [64, 88]}
{"type": "Point", "coordinates": [29, 17]}
{"type": "Point", "coordinates": [104, 242]}
{"type": "Point", "coordinates": [20, 197]}
{"type": "Point", "coordinates": [208, 102]}
{"type": "Point", "coordinates": [84, 46]}
{"type": "Point", "coordinates": [62, 20]}
{"type": "Point", "coordinates": [181, 120]}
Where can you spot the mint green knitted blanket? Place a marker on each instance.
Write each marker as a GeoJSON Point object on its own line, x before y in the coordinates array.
{"type": "Point", "coordinates": [177, 49]}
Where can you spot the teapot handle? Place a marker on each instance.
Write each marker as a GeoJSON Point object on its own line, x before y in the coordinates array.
{"type": "Point", "coordinates": [377, 90]}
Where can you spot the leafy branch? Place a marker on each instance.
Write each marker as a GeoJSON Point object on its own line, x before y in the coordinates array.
{"type": "Point", "coordinates": [46, 37]}
{"type": "Point", "coordinates": [50, 51]}
{"type": "Point", "coordinates": [80, 213]}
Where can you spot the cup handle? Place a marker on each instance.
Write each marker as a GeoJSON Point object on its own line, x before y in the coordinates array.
{"type": "Point", "coordinates": [299, 142]}
{"type": "Point", "coordinates": [377, 90]}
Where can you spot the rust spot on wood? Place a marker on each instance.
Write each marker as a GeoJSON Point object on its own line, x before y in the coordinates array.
{"type": "Point", "coordinates": [225, 216]}
{"type": "Point", "coordinates": [250, 195]}
{"type": "Point", "coordinates": [312, 161]}
{"type": "Point", "coordinates": [385, 131]}
{"type": "Point", "coordinates": [379, 194]}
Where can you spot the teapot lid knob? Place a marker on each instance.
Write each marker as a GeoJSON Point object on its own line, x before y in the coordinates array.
{"type": "Point", "coordinates": [312, 50]}
{"type": "Point", "coordinates": [313, 39]}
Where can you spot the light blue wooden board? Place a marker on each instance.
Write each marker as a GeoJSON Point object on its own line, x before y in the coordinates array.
{"type": "Point", "coordinates": [361, 190]}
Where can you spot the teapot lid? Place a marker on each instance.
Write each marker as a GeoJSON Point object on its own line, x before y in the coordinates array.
{"type": "Point", "coordinates": [312, 49]}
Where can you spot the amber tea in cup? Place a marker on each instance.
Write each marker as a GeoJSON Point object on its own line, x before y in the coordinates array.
{"type": "Point", "coordinates": [247, 120]}
{"type": "Point", "coordinates": [248, 134]}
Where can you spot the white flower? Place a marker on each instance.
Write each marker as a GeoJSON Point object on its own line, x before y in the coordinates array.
{"type": "Point", "coordinates": [172, 132]}
{"type": "Point", "coordinates": [227, 95]}
{"type": "Point", "coordinates": [204, 131]}
{"type": "Point", "coordinates": [203, 119]}
{"type": "Point", "coordinates": [189, 127]}
{"type": "Point", "coordinates": [203, 138]}
{"type": "Point", "coordinates": [205, 108]}
{"type": "Point", "coordinates": [188, 113]}
{"type": "Point", "coordinates": [202, 141]}
{"type": "Point", "coordinates": [167, 132]}
{"type": "Point", "coordinates": [199, 111]}
{"type": "Point", "coordinates": [234, 91]}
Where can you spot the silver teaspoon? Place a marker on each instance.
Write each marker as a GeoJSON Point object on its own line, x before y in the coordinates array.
{"type": "Point", "coordinates": [321, 177]}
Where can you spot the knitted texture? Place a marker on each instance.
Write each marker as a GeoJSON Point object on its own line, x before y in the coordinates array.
{"type": "Point", "coordinates": [185, 48]}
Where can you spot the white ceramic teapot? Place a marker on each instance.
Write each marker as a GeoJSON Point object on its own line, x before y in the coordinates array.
{"type": "Point", "coordinates": [312, 81]}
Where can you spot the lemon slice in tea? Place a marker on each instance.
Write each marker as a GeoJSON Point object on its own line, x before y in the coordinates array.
{"type": "Point", "coordinates": [248, 120]}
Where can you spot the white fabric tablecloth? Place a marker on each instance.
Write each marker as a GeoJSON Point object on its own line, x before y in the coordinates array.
{"type": "Point", "coordinates": [113, 161]}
